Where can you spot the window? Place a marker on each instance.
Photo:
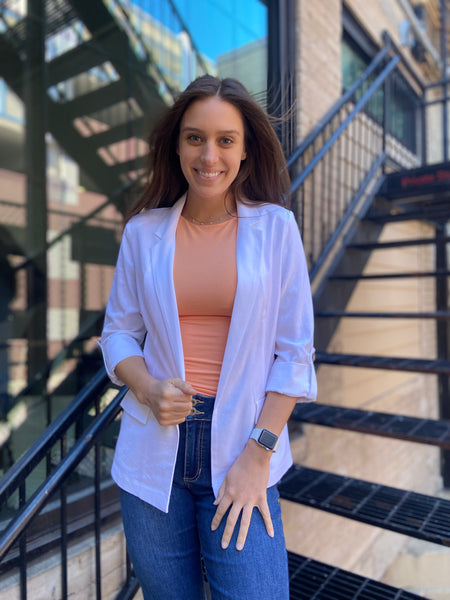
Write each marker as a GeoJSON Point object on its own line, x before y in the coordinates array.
{"type": "Point", "coordinates": [356, 56]}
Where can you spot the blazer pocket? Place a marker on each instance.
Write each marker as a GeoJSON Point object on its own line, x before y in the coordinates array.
{"type": "Point", "coordinates": [135, 409]}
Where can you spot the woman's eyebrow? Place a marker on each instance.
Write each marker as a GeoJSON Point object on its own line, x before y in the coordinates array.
{"type": "Point", "coordinates": [224, 132]}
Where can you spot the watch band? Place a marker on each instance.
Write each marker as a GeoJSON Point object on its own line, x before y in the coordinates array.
{"type": "Point", "coordinates": [265, 438]}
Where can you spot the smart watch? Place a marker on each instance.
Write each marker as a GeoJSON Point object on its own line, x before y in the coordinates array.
{"type": "Point", "coordinates": [265, 438]}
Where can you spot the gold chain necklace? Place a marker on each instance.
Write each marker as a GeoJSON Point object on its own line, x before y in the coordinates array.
{"type": "Point", "coordinates": [211, 221]}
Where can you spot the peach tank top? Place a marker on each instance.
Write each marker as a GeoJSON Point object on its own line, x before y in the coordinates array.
{"type": "Point", "coordinates": [205, 279]}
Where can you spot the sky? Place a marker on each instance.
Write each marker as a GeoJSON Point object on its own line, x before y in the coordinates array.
{"type": "Point", "coordinates": [217, 26]}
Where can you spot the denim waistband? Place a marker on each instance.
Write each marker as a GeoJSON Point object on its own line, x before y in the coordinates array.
{"type": "Point", "coordinates": [202, 408]}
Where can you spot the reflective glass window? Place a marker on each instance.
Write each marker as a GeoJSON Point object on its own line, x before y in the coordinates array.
{"type": "Point", "coordinates": [107, 69]}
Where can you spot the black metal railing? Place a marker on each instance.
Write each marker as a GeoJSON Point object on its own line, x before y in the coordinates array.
{"type": "Point", "coordinates": [338, 163]}
{"type": "Point", "coordinates": [57, 505]}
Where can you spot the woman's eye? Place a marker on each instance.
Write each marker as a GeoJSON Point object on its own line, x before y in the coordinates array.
{"type": "Point", "coordinates": [227, 141]}
{"type": "Point", "coordinates": [193, 138]}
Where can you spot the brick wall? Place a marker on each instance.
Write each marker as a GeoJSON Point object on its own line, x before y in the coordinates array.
{"type": "Point", "coordinates": [318, 60]}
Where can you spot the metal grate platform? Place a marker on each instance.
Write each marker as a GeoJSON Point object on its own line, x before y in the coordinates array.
{"type": "Point", "coordinates": [412, 429]}
{"type": "Point", "coordinates": [416, 515]}
{"type": "Point", "coordinates": [418, 365]}
{"type": "Point", "coordinates": [313, 580]}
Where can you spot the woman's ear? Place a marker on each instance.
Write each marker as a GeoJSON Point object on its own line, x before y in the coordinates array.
{"type": "Point", "coordinates": [244, 155]}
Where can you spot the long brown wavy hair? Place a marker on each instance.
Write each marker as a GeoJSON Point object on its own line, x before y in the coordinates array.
{"type": "Point", "coordinates": [263, 176]}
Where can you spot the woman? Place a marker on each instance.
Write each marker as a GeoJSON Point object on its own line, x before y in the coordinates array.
{"type": "Point", "coordinates": [209, 324]}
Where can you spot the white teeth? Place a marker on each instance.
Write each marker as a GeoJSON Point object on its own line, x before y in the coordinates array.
{"type": "Point", "coordinates": [207, 174]}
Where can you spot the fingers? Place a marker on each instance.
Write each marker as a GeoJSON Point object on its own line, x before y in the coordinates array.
{"type": "Point", "coordinates": [245, 513]}
{"type": "Point", "coordinates": [246, 516]}
{"type": "Point", "coordinates": [184, 386]}
{"type": "Point", "coordinates": [172, 402]}
{"type": "Point", "coordinates": [233, 516]}
{"type": "Point", "coordinates": [265, 512]}
{"type": "Point", "coordinates": [173, 412]}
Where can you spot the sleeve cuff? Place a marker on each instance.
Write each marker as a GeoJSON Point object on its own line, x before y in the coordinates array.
{"type": "Point", "coordinates": [115, 349]}
{"type": "Point", "coordinates": [293, 379]}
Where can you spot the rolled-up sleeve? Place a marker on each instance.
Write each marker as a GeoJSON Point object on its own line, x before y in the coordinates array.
{"type": "Point", "coordinates": [124, 329]}
{"type": "Point", "coordinates": [293, 372]}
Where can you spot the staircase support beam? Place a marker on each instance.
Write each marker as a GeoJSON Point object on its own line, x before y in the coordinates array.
{"type": "Point", "coordinates": [36, 193]}
{"type": "Point", "coordinates": [443, 338]}
{"type": "Point", "coordinates": [443, 15]}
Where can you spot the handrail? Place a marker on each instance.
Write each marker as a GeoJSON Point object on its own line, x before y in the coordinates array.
{"type": "Point", "coordinates": [324, 184]}
{"type": "Point", "coordinates": [37, 451]}
{"type": "Point", "coordinates": [309, 139]}
{"type": "Point", "coordinates": [60, 474]}
{"type": "Point", "coordinates": [389, 45]}
{"type": "Point", "coordinates": [350, 210]}
{"type": "Point", "coordinates": [358, 106]}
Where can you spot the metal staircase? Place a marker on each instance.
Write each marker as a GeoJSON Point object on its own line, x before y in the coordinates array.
{"type": "Point", "coordinates": [103, 93]}
{"type": "Point", "coordinates": [104, 85]}
{"type": "Point", "coordinates": [342, 217]}
{"type": "Point", "coordinates": [383, 191]}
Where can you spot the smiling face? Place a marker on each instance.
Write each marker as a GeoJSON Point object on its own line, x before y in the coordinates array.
{"type": "Point", "coordinates": [211, 148]}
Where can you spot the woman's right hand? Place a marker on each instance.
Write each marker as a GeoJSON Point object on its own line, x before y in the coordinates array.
{"type": "Point", "coordinates": [169, 399]}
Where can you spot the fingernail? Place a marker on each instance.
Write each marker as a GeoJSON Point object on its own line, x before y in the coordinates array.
{"type": "Point", "coordinates": [224, 545]}
{"type": "Point", "coordinates": [272, 534]}
{"type": "Point", "coordinates": [239, 546]}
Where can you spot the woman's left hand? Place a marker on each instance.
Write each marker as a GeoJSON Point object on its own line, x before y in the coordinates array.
{"type": "Point", "coordinates": [243, 489]}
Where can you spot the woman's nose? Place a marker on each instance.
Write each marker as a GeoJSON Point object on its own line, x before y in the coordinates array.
{"type": "Point", "coordinates": [209, 154]}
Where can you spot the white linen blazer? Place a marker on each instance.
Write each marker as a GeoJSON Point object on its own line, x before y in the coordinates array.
{"type": "Point", "coordinates": [269, 345]}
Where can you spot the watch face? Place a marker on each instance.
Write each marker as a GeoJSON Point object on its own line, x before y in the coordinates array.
{"type": "Point", "coordinates": [267, 439]}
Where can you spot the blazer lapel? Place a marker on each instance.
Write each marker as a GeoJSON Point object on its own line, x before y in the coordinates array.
{"type": "Point", "coordinates": [162, 257]}
{"type": "Point", "coordinates": [249, 248]}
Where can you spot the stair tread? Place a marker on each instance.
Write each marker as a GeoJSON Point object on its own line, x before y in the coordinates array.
{"type": "Point", "coordinates": [439, 212]}
{"type": "Point", "coordinates": [395, 243]}
{"type": "Point", "coordinates": [404, 274]}
{"type": "Point", "coordinates": [133, 164]}
{"type": "Point", "coordinates": [75, 61]}
{"type": "Point", "coordinates": [409, 513]}
{"type": "Point", "coordinates": [314, 580]}
{"type": "Point", "coordinates": [434, 366]}
{"type": "Point", "coordinates": [414, 429]}
{"type": "Point", "coordinates": [439, 314]}
{"type": "Point", "coordinates": [117, 133]}
{"type": "Point", "coordinates": [311, 579]}
{"type": "Point", "coordinates": [96, 100]}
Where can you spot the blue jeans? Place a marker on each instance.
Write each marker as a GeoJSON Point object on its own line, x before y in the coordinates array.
{"type": "Point", "coordinates": [167, 550]}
